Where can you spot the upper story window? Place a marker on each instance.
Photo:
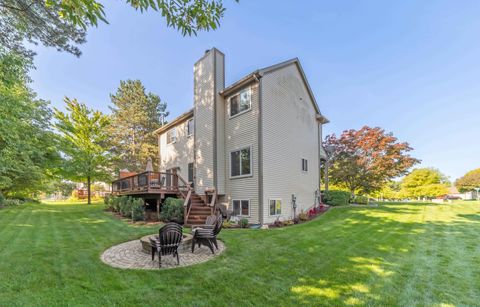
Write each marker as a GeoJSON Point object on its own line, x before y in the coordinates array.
{"type": "Point", "coordinates": [241, 162]}
{"type": "Point", "coordinates": [241, 102]}
{"type": "Point", "coordinates": [304, 165]}
{"type": "Point", "coordinates": [172, 135]}
{"type": "Point", "coordinates": [190, 127]}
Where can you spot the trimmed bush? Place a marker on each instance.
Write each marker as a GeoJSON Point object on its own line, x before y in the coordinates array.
{"type": "Point", "coordinates": [138, 209]}
{"type": "Point", "coordinates": [361, 200]}
{"type": "Point", "coordinates": [172, 210]}
{"type": "Point", "coordinates": [336, 198]}
{"type": "Point", "coordinates": [126, 206]}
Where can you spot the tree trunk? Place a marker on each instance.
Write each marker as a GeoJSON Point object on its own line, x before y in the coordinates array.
{"type": "Point", "coordinates": [89, 190]}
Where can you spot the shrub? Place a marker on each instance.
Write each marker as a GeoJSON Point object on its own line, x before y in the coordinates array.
{"type": "Point", "coordinates": [302, 216]}
{"type": "Point", "coordinates": [109, 201]}
{"type": "Point", "coordinates": [126, 206]}
{"type": "Point", "coordinates": [277, 222]}
{"type": "Point", "coordinates": [172, 210]}
{"type": "Point", "coordinates": [243, 223]}
{"type": "Point", "coordinates": [115, 203]}
{"type": "Point", "coordinates": [288, 223]}
{"type": "Point", "coordinates": [362, 200]}
{"type": "Point", "coordinates": [10, 202]}
{"type": "Point", "coordinates": [2, 199]}
{"type": "Point", "coordinates": [227, 224]}
{"type": "Point", "coordinates": [336, 198]}
{"type": "Point", "coordinates": [106, 200]}
{"type": "Point", "coordinates": [138, 209]}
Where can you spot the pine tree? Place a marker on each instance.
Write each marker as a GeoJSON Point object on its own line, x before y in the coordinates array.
{"type": "Point", "coordinates": [135, 116]}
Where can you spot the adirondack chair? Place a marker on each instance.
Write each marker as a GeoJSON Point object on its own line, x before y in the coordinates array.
{"type": "Point", "coordinates": [169, 238]}
{"type": "Point", "coordinates": [209, 223]}
{"type": "Point", "coordinates": [207, 236]}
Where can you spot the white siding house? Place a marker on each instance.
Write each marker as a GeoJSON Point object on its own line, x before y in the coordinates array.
{"type": "Point", "coordinates": [256, 142]}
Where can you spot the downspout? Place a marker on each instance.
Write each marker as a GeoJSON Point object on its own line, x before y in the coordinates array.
{"type": "Point", "coordinates": [260, 149]}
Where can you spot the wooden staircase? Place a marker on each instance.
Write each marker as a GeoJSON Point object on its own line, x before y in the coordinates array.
{"type": "Point", "coordinates": [198, 211]}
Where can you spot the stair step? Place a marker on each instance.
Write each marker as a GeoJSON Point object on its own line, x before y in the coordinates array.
{"type": "Point", "coordinates": [207, 210]}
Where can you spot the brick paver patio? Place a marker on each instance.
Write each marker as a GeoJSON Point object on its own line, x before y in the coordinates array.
{"type": "Point", "coordinates": [130, 255]}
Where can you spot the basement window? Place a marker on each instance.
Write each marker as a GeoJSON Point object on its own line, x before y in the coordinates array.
{"type": "Point", "coordinates": [241, 207]}
{"type": "Point", "coordinates": [275, 206]}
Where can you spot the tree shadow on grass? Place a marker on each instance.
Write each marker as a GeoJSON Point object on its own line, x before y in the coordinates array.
{"type": "Point", "coordinates": [374, 251]}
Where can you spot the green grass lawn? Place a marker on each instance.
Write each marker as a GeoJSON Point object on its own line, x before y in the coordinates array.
{"type": "Point", "coordinates": [398, 254]}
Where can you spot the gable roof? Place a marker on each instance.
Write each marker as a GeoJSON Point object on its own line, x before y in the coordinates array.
{"type": "Point", "coordinates": [257, 74]}
{"type": "Point", "coordinates": [179, 119]}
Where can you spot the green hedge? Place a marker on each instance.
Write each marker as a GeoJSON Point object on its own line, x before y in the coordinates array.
{"type": "Point", "coordinates": [172, 210]}
{"type": "Point", "coordinates": [138, 209]}
{"type": "Point", "coordinates": [361, 200]}
{"type": "Point", "coordinates": [336, 198]}
{"type": "Point", "coordinates": [127, 206]}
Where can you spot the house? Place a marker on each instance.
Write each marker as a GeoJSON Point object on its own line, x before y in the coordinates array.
{"type": "Point", "coordinates": [253, 146]}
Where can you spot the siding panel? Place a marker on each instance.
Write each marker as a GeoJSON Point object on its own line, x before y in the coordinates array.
{"type": "Point", "coordinates": [242, 131]}
{"type": "Point", "coordinates": [290, 133]}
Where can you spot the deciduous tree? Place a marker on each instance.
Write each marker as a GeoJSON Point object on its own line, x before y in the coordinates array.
{"type": "Point", "coordinates": [83, 134]}
{"type": "Point", "coordinates": [469, 181]}
{"type": "Point", "coordinates": [424, 182]}
{"type": "Point", "coordinates": [135, 116]}
{"type": "Point", "coordinates": [365, 160]}
{"type": "Point", "coordinates": [28, 157]}
{"type": "Point", "coordinates": [62, 24]}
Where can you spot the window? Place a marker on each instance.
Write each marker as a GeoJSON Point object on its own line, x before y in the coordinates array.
{"type": "Point", "coordinates": [190, 127]}
{"type": "Point", "coordinates": [190, 173]}
{"type": "Point", "coordinates": [240, 103]}
{"type": "Point", "coordinates": [172, 136]}
{"type": "Point", "coordinates": [240, 162]}
{"type": "Point", "coordinates": [304, 165]}
{"type": "Point", "coordinates": [241, 207]}
{"type": "Point", "coordinates": [275, 206]}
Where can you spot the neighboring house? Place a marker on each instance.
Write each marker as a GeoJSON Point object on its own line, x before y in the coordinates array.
{"type": "Point", "coordinates": [256, 142]}
{"type": "Point", "coordinates": [454, 193]}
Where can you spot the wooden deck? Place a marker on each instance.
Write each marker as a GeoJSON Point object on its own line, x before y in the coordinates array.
{"type": "Point", "coordinates": [156, 183]}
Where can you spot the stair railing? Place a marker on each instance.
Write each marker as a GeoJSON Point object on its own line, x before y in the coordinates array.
{"type": "Point", "coordinates": [187, 206]}
{"type": "Point", "coordinates": [213, 201]}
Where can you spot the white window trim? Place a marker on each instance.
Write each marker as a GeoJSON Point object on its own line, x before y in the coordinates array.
{"type": "Point", "coordinates": [281, 202]}
{"type": "Point", "coordinates": [304, 171]}
{"type": "Point", "coordinates": [249, 89]}
{"type": "Point", "coordinates": [189, 135]}
{"type": "Point", "coordinates": [249, 207]}
{"type": "Point", "coordinates": [251, 163]}
{"type": "Point", "coordinates": [174, 138]}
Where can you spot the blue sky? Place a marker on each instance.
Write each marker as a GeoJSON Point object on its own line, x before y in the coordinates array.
{"type": "Point", "coordinates": [410, 67]}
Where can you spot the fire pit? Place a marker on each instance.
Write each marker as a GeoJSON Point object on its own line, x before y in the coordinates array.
{"type": "Point", "coordinates": [184, 246]}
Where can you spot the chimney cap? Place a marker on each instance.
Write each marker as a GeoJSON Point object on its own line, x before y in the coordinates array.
{"type": "Point", "coordinates": [206, 51]}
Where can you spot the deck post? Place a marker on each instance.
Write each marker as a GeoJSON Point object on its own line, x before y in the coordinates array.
{"type": "Point", "coordinates": [158, 208]}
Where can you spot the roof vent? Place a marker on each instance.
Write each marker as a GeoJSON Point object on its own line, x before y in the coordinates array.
{"type": "Point", "coordinates": [206, 51]}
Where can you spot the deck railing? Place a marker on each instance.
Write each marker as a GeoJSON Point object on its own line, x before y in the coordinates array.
{"type": "Point", "coordinates": [151, 182]}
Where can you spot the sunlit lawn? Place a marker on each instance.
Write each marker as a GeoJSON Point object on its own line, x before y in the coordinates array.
{"type": "Point", "coordinates": [399, 254]}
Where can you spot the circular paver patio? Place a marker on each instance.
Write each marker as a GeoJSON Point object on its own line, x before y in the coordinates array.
{"type": "Point", "coordinates": [130, 255]}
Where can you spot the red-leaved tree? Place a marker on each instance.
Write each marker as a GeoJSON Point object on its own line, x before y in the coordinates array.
{"type": "Point", "coordinates": [365, 160]}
